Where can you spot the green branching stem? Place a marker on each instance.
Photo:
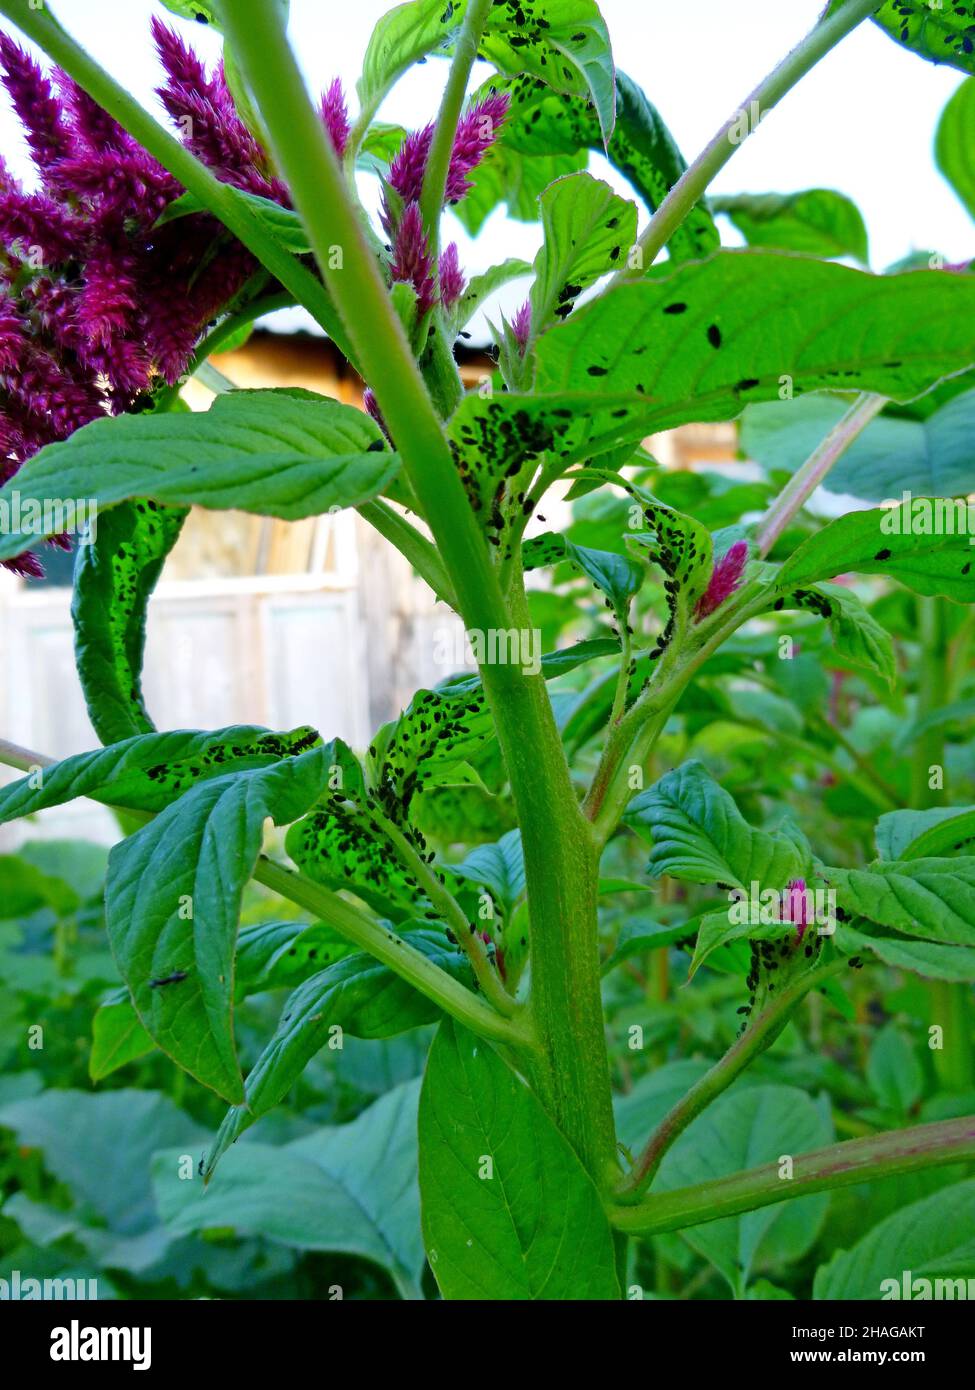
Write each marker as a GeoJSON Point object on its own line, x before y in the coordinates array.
{"type": "Point", "coordinates": [453, 914]}
{"type": "Point", "coordinates": [438, 162]}
{"type": "Point", "coordinates": [221, 199]}
{"type": "Point", "coordinates": [806, 479]}
{"type": "Point", "coordinates": [412, 544]}
{"type": "Point", "coordinates": [839, 1165]}
{"type": "Point", "coordinates": [693, 184]}
{"type": "Point", "coordinates": [383, 944]}
{"type": "Point", "coordinates": [761, 1032]}
{"type": "Point", "coordinates": [630, 741]}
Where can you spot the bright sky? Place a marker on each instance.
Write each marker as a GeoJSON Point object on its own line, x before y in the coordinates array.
{"type": "Point", "coordinates": [863, 122]}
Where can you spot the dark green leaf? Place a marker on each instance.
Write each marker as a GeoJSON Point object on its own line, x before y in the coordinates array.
{"type": "Point", "coordinates": [817, 222]}
{"type": "Point", "coordinates": [930, 1239]}
{"type": "Point", "coordinates": [266, 452]}
{"type": "Point", "coordinates": [350, 1189]}
{"type": "Point", "coordinates": [147, 772]}
{"type": "Point", "coordinates": [954, 146]}
{"type": "Point", "coordinates": [927, 457]}
{"type": "Point", "coordinates": [508, 1210]}
{"type": "Point", "coordinates": [698, 834]}
{"type": "Point", "coordinates": [588, 230]}
{"type": "Point", "coordinates": [357, 996]}
{"type": "Point", "coordinates": [172, 906]}
{"type": "Point", "coordinates": [697, 345]}
{"type": "Point", "coordinates": [757, 1125]}
{"type": "Point", "coordinates": [933, 899]}
{"type": "Point", "coordinates": [934, 560]}
{"type": "Point", "coordinates": [114, 577]}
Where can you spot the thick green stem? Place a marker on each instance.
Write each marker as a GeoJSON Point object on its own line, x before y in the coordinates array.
{"type": "Point", "coordinates": [690, 188]}
{"type": "Point", "coordinates": [761, 1032]}
{"type": "Point", "coordinates": [839, 1165]}
{"type": "Point", "coordinates": [807, 479]}
{"type": "Point", "coordinates": [559, 853]}
{"type": "Point", "coordinates": [438, 162]}
{"type": "Point", "coordinates": [221, 199]}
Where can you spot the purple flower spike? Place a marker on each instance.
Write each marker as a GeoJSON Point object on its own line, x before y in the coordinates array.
{"type": "Point", "coordinates": [335, 117]}
{"type": "Point", "coordinates": [725, 579]}
{"type": "Point", "coordinates": [411, 258]}
{"type": "Point", "coordinates": [476, 133]}
{"type": "Point", "coordinates": [521, 324]}
{"type": "Point", "coordinates": [407, 169]}
{"type": "Point", "coordinates": [452, 281]}
{"type": "Point", "coordinates": [34, 101]}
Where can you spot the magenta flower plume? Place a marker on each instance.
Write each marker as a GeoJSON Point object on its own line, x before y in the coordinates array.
{"type": "Point", "coordinates": [335, 117]}
{"type": "Point", "coordinates": [407, 169]}
{"type": "Point", "coordinates": [521, 325]}
{"type": "Point", "coordinates": [477, 131]}
{"type": "Point", "coordinates": [725, 579]}
{"type": "Point", "coordinates": [33, 99]}
{"type": "Point", "coordinates": [795, 909]}
{"type": "Point", "coordinates": [203, 106]}
{"type": "Point", "coordinates": [411, 258]}
{"type": "Point", "coordinates": [451, 277]}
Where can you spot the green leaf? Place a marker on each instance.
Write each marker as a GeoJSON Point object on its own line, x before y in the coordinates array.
{"type": "Point", "coordinates": [933, 899]}
{"type": "Point", "coordinates": [867, 542]}
{"type": "Point", "coordinates": [616, 576]}
{"type": "Point", "coordinates": [925, 834]}
{"type": "Point", "coordinates": [100, 1146]}
{"type": "Point", "coordinates": [147, 772]}
{"type": "Point", "coordinates": [930, 1239]}
{"type": "Point", "coordinates": [500, 441]}
{"type": "Point", "coordinates": [568, 50]}
{"type": "Point", "coordinates": [349, 1190]}
{"type": "Point", "coordinates": [114, 576]}
{"type": "Point", "coordinates": [697, 346]}
{"type": "Point", "coordinates": [699, 835]}
{"type": "Point", "coordinates": [172, 906]}
{"type": "Point", "coordinates": [927, 958]}
{"type": "Point", "coordinates": [637, 936]}
{"type": "Point", "coordinates": [754, 1126]}
{"type": "Point", "coordinates": [717, 929]}
{"type": "Point", "coordinates": [588, 230]}
{"type": "Point", "coordinates": [816, 222]}
{"type": "Point", "coordinates": [954, 148]}
{"type": "Point", "coordinates": [928, 457]}
{"type": "Point", "coordinates": [508, 1210]}
{"type": "Point", "coordinates": [894, 1071]}
{"type": "Point", "coordinates": [564, 43]}
{"type": "Point", "coordinates": [540, 122]}
{"type": "Point", "coordinates": [266, 452]}
{"type": "Point", "coordinates": [499, 867]}
{"type": "Point", "coordinates": [402, 37]}
{"type": "Point", "coordinates": [117, 1036]}
{"type": "Point", "coordinates": [942, 32]}
{"type": "Point", "coordinates": [356, 996]}
{"type": "Point", "coordinates": [856, 634]}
